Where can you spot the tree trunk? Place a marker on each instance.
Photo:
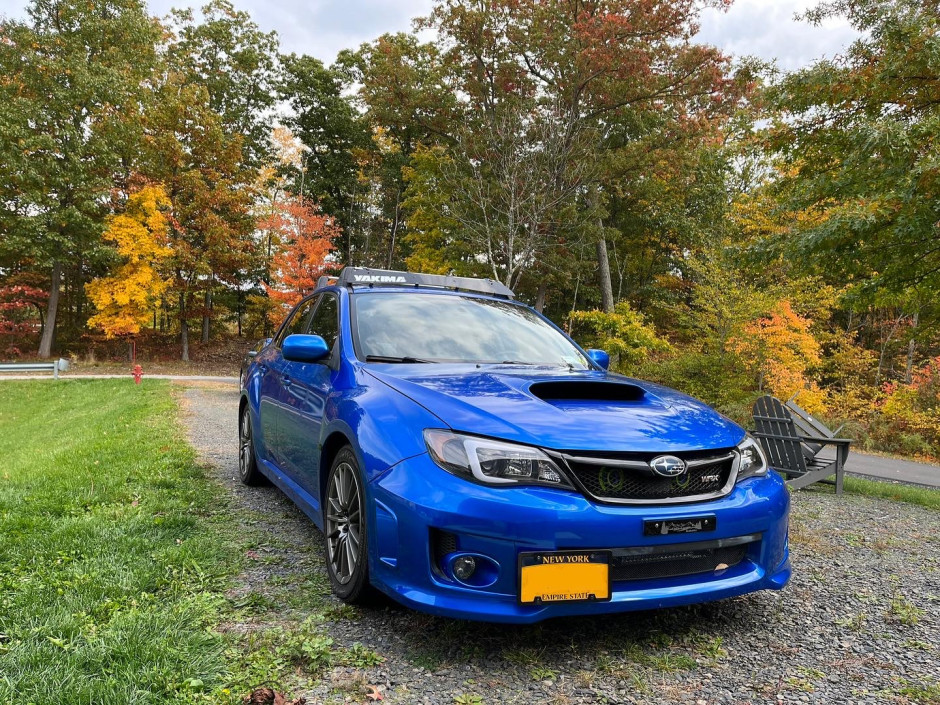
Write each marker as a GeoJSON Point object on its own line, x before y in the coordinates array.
{"type": "Point", "coordinates": [391, 249]}
{"type": "Point", "coordinates": [205, 317]}
{"type": "Point", "coordinates": [80, 292]}
{"type": "Point", "coordinates": [184, 329]}
{"type": "Point", "coordinates": [241, 308]}
{"type": "Point", "coordinates": [603, 274]}
{"type": "Point", "coordinates": [48, 331]}
{"type": "Point", "coordinates": [540, 298]}
{"type": "Point", "coordinates": [911, 347]}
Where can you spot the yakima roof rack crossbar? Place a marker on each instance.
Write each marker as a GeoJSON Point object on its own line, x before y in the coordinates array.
{"type": "Point", "coordinates": [362, 276]}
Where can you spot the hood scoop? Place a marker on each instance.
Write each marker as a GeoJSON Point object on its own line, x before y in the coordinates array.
{"type": "Point", "coordinates": [561, 393]}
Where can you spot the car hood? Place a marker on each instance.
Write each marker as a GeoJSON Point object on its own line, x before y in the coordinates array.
{"type": "Point", "coordinates": [578, 410]}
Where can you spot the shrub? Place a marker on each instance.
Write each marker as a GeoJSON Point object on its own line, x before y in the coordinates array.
{"type": "Point", "coordinates": [624, 334]}
{"type": "Point", "coordinates": [717, 379]}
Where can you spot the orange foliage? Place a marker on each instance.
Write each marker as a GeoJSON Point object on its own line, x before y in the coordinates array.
{"type": "Point", "coordinates": [780, 349]}
{"type": "Point", "coordinates": [306, 241]}
{"type": "Point", "coordinates": [915, 408]}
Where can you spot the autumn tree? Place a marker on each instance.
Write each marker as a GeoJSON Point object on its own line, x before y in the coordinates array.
{"type": "Point", "coordinates": [304, 238]}
{"type": "Point", "coordinates": [203, 170]}
{"type": "Point", "coordinates": [127, 297]}
{"type": "Point", "coordinates": [21, 308]}
{"type": "Point", "coordinates": [405, 86]}
{"type": "Point", "coordinates": [74, 77]}
{"type": "Point", "coordinates": [609, 73]}
{"type": "Point", "coordinates": [781, 351]}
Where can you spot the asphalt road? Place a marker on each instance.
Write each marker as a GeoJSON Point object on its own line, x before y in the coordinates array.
{"type": "Point", "coordinates": [881, 468]}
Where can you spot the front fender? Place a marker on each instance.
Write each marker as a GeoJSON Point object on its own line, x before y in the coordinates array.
{"type": "Point", "coordinates": [383, 426]}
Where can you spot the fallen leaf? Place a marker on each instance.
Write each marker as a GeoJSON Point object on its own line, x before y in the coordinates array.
{"type": "Point", "coordinates": [374, 693]}
{"type": "Point", "coordinates": [269, 696]}
{"type": "Point", "coordinates": [260, 696]}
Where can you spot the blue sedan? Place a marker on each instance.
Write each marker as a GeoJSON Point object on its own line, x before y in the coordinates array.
{"type": "Point", "coordinates": [464, 456]}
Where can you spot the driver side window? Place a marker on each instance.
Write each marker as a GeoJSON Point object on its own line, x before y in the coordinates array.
{"type": "Point", "coordinates": [299, 322]}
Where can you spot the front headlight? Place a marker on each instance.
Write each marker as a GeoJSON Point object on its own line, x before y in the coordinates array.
{"type": "Point", "coordinates": [753, 460]}
{"type": "Point", "coordinates": [492, 462]}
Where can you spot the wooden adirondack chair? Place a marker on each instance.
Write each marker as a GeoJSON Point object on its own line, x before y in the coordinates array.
{"type": "Point", "coordinates": [790, 452]}
{"type": "Point", "coordinates": [809, 425]}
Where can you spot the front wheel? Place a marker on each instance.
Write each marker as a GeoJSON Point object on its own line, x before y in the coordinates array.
{"type": "Point", "coordinates": [344, 524]}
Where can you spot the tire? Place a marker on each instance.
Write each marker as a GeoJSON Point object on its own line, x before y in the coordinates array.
{"type": "Point", "coordinates": [248, 470]}
{"type": "Point", "coordinates": [344, 527]}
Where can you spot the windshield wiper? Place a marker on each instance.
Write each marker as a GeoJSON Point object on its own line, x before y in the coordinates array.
{"type": "Point", "coordinates": [389, 358]}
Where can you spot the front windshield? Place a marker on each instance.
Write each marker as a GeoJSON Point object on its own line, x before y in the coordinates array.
{"type": "Point", "coordinates": [408, 327]}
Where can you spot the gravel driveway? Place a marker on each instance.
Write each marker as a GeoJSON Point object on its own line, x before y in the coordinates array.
{"type": "Point", "coordinates": [859, 622]}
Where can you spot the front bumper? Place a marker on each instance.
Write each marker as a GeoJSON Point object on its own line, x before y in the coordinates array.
{"type": "Point", "coordinates": [416, 503]}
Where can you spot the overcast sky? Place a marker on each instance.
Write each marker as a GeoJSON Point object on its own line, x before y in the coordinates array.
{"type": "Point", "coordinates": [763, 28]}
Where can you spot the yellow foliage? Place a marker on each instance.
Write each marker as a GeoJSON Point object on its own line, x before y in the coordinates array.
{"type": "Point", "coordinates": [624, 334]}
{"type": "Point", "coordinates": [288, 149]}
{"type": "Point", "coordinates": [125, 298]}
{"type": "Point", "coordinates": [758, 215]}
{"type": "Point", "coordinates": [780, 349]}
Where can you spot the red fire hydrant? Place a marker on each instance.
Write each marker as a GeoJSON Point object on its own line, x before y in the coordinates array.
{"type": "Point", "coordinates": [138, 373]}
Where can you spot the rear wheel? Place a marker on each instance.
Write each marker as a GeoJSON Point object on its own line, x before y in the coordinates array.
{"type": "Point", "coordinates": [247, 462]}
{"type": "Point", "coordinates": [344, 523]}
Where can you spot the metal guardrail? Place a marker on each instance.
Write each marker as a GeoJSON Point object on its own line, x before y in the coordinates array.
{"type": "Point", "coordinates": [55, 367]}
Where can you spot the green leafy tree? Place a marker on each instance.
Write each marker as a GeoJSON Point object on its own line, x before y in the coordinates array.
{"type": "Point", "coordinates": [623, 334]}
{"type": "Point", "coordinates": [71, 96]}
{"type": "Point", "coordinates": [405, 96]}
{"type": "Point", "coordinates": [858, 137]}
{"type": "Point", "coordinates": [328, 125]}
{"type": "Point", "coordinates": [227, 54]}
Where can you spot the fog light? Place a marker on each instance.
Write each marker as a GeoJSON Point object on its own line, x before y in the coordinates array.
{"type": "Point", "coordinates": [464, 567]}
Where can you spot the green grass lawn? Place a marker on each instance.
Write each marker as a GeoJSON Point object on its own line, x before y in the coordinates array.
{"type": "Point", "coordinates": [115, 549]}
{"type": "Point", "coordinates": [924, 496]}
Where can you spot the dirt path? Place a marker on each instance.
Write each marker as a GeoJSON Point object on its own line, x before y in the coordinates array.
{"type": "Point", "coordinates": [857, 624]}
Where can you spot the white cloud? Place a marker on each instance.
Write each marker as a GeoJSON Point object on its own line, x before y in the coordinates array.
{"type": "Point", "coordinates": [768, 29]}
{"type": "Point", "coordinates": [763, 28]}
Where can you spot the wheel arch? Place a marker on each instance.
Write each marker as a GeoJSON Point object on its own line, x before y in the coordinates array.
{"type": "Point", "coordinates": [336, 441]}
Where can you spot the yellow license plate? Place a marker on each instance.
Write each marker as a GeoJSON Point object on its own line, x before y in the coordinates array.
{"type": "Point", "coordinates": [564, 576]}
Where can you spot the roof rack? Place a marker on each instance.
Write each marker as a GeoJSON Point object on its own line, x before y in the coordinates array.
{"type": "Point", "coordinates": [363, 276]}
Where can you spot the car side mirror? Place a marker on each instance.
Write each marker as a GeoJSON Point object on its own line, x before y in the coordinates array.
{"type": "Point", "coordinates": [304, 348]}
{"type": "Point", "coordinates": [599, 358]}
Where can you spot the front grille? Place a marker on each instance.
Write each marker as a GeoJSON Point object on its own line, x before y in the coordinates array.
{"type": "Point", "coordinates": [670, 564]}
{"type": "Point", "coordinates": [628, 477]}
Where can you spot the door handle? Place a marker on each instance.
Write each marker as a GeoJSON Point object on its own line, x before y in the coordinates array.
{"type": "Point", "coordinates": [287, 381]}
